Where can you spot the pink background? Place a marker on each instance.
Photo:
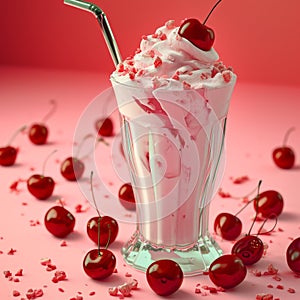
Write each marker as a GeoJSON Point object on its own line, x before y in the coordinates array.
{"type": "Point", "coordinates": [259, 38]}
{"type": "Point", "coordinates": [52, 51]}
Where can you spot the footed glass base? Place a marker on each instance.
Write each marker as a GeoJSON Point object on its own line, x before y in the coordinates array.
{"type": "Point", "coordinates": [193, 260]}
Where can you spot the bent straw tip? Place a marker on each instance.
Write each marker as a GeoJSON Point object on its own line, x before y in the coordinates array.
{"type": "Point", "coordinates": [78, 3]}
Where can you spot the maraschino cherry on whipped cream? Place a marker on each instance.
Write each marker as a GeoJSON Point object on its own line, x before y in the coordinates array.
{"type": "Point", "coordinates": [166, 57]}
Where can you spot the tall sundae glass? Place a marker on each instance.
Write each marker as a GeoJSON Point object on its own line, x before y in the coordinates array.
{"type": "Point", "coordinates": [173, 100]}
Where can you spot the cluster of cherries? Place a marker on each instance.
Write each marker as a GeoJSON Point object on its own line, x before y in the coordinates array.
{"type": "Point", "coordinates": [98, 263]}
{"type": "Point", "coordinates": [249, 249]}
{"type": "Point", "coordinates": [164, 276]}
{"type": "Point", "coordinates": [229, 270]}
{"type": "Point", "coordinates": [72, 168]}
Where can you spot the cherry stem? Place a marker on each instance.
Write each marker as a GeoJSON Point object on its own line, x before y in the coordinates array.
{"type": "Point", "coordinates": [60, 202]}
{"type": "Point", "coordinates": [109, 236]}
{"type": "Point", "coordinates": [256, 211]}
{"type": "Point", "coordinates": [263, 224]}
{"type": "Point", "coordinates": [259, 183]}
{"type": "Point", "coordinates": [93, 195]}
{"type": "Point", "coordinates": [99, 219]}
{"type": "Point", "coordinates": [245, 196]}
{"type": "Point", "coordinates": [211, 11]}
{"type": "Point", "coordinates": [102, 140]}
{"type": "Point", "coordinates": [98, 236]}
{"type": "Point", "coordinates": [82, 142]}
{"type": "Point", "coordinates": [15, 134]}
{"type": "Point", "coordinates": [52, 110]}
{"type": "Point", "coordinates": [46, 160]}
{"type": "Point", "coordinates": [286, 136]}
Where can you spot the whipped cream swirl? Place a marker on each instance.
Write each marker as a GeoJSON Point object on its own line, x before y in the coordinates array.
{"type": "Point", "coordinates": [165, 57]}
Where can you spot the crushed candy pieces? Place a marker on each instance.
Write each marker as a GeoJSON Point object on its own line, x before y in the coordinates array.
{"type": "Point", "coordinates": [80, 209]}
{"type": "Point", "coordinates": [48, 264]}
{"type": "Point", "coordinates": [8, 274]}
{"type": "Point", "coordinates": [16, 293]}
{"type": "Point", "coordinates": [223, 194]}
{"type": "Point", "coordinates": [271, 270]}
{"type": "Point", "coordinates": [11, 251]}
{"type": "Point", "coordinates": [45, 261]}
{"type": "Point", "coordinates": [113, 291]}
{"type": "Point", "coordinates": [34, 293]}
{"type": "Point", "coordinates": [78, 297]}
{"type": "Point", "coordinates": [123, 290]}
{"type": "Point", "coordinates": [264, 297]}
{"type": "Point", "coordinates": [19, 272]}
{"type": "Point", "coordinates": [59, 276]}
{"type": "Point", "coordinates": [291, 290]}
{"type": "Point", "coordinates": [240, 180]}
{"type": "Point", "coordinates": [205, 290]}
{"type": "Point", "coordinates": [63, 244]}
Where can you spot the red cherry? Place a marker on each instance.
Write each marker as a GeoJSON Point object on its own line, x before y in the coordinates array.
{"type": "Point", "coordinates": [99, 263]}
{"type": "Point", "coordinates": [38, 132]}
{"type": "Point", "coordinates": [284, 157]}
{"type": "Point", "coordinates": [8, 154]}
{"type": "Point", "coordinates": [227, 271]}
{"type": "Point", "coordinates": [59, 221]}
{"type": "Point", "coordinates": [126, 196]}
{"type": "Point", "coordinates": [228, 226]}
{"type": "Point", "coordinates": [164, 277]}
{"type": "Point", "coordinates": [108, 230]}
{"type": "Point", "coordinates": [268, 204]}
{"type": "Point", "coordinates": [41, 186]}
{"type": "Point", "coordinates": [198, 34]}
{"type": "Point", "coordinates": [102, 230]}
{"type": "Point", "coordinates": [293, 255]}
{"type": "Point", "coordinates": [105, 127]}
{"type": "Point", "coordinates": [249, 249]}
{"type": "Point", "coordinates": [72, 168]}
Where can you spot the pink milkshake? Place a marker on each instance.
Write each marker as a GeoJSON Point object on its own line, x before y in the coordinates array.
{"type": "Point", "coordinates": [173, 99]}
